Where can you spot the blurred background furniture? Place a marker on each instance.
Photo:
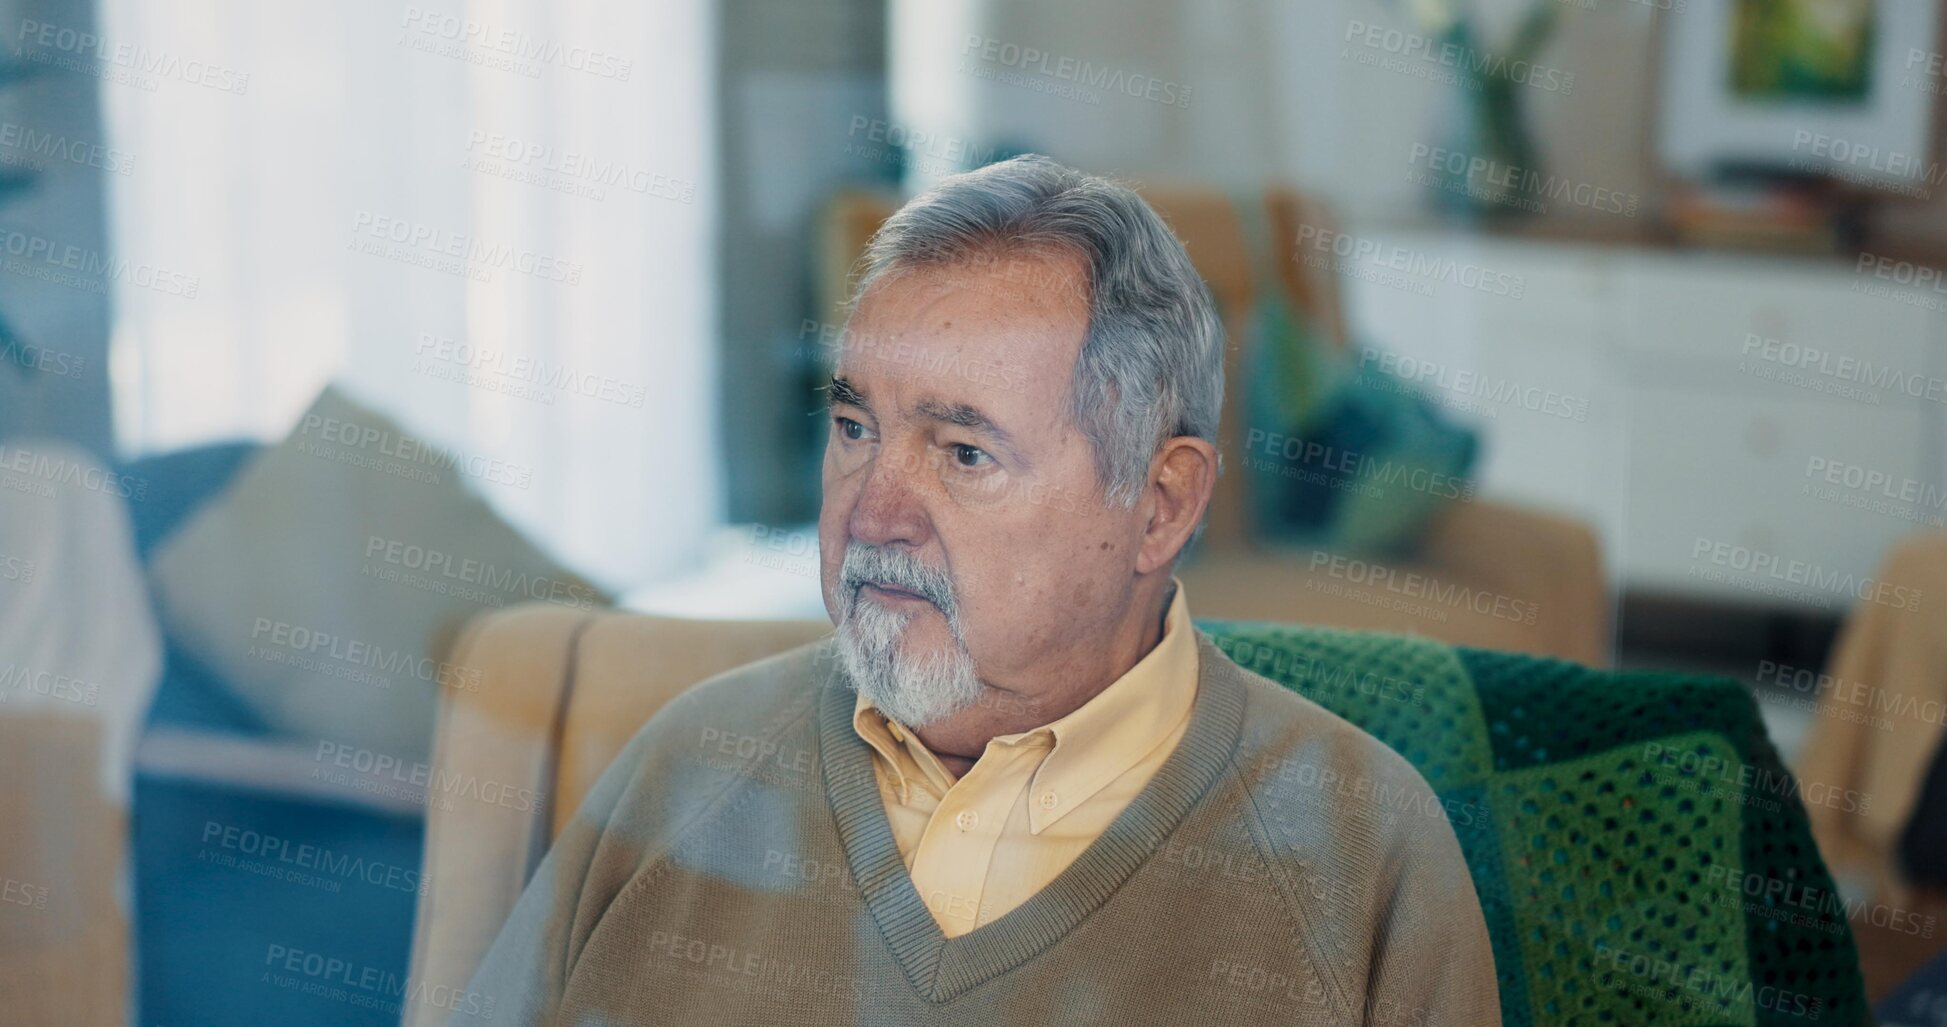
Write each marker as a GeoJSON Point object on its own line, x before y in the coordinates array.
{"type": "Point", "coordinates": [1882, 719]}
{"type": "Point", "coordinates": [65, 948]}
{"type": "Point", "coordinates": [223, 807]}
{"type": "Point", "coordinates": [79, 654]}
{"type": "Point", "coordinates": [1608, 817]}
{"type": "Point", "coordinates": [1717, 392]}
{"type": "Point", "coordinates": [1883, 711]}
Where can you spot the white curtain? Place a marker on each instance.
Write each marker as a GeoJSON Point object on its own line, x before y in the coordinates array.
{"type": "Point", "coordinates": [492, 220]}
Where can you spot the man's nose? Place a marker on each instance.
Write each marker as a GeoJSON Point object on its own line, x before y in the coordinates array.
{"type": "Point", "coordinates": [890, 507]}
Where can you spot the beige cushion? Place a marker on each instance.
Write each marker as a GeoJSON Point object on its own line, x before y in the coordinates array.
{"type": "Point", "coordinates": [326, 580]}
{"type": "Point", "coordinates": [1489, 576]}
{"type": "Point", "coordinates": [1286, 587]}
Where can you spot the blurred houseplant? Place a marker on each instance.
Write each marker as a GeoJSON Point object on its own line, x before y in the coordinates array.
{"type": "Point", "coordinates": [1489, 132]}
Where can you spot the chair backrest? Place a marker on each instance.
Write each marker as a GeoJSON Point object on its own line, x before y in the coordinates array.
{"type": "Point", "coordinates": [1617, 825]}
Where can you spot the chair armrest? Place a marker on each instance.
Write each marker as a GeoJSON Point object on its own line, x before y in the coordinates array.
{"type": "Point", "coordinates": [491, 796]}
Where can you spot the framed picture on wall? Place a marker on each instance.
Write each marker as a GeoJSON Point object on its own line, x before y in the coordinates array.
{"type": "Point", "coordinates": [1845, 88]}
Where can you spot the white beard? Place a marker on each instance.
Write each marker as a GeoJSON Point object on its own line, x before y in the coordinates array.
{"type": "Point", "coordinates": [914, 692]}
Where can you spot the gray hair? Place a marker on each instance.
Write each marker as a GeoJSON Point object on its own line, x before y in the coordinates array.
{"type": "Point", "coordinates": [1152, 366]}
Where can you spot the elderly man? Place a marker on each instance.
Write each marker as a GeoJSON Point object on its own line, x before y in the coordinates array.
{"type": "Point", "coordinates": [1016, 785]}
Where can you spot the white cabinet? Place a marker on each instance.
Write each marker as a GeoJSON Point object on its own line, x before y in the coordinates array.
{"type": "Point", "coordinates": [1753, 428]}
{"type": "Point", "coordinates": [1712, 308]}
{"type": "Point", "coordinates": [1761, 497]}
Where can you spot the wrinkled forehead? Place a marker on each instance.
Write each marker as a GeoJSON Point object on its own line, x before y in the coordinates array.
{"type": "Point", "coordinates": [1001, 334]}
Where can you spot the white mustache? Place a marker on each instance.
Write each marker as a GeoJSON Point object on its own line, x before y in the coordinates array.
{"type": "Point", "coordinates": [917, 689]}
{"type": "Point", "coordinates": [867, 564]}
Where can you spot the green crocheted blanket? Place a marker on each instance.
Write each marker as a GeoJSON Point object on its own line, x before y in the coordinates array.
{"type": "Point", "coordinates": [1641, 854]}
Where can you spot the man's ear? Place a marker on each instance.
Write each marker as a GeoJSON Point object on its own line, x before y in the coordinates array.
{"type": "Point", "coordinates": [1182, 478]}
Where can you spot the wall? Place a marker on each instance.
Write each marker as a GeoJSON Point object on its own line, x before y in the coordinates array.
{"type": "Point", "coordinates": [794, 79]}
{"type": "Point", "coordinates": [1283, 91]}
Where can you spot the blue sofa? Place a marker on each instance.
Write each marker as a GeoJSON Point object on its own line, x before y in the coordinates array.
{"type": "Point", "coordinates": [220, 942]}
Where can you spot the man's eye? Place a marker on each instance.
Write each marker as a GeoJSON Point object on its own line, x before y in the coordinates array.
{"type": "Point", "coordinates": [969, 456]}
{"type": "Point", "coordinates": [849, 428]}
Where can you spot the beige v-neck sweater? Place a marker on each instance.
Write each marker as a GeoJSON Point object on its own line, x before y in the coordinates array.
{"type": "Point", "coordinates": [735, 866]}
{"type": "Point", "coordinates": [979, 845]}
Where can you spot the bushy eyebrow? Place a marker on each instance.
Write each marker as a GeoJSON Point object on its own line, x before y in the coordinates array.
{"type": "Point", "coordinates": [841, 390]}
{"type": "Point", "coordinates": [965, 416]}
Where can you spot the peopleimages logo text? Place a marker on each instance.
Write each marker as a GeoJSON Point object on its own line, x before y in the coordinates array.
{"type": "Point", "coordinates": [297, 638]}
{"type": "Point", "coordinates": [517, 43]}
{"type": "Point", "coordinates": [1412, 262]}
{"type": "Point", "coordinates": [1521, 183]}
{"type": "Point", "coordinates": [472, 571]}
{"type": "Point", "coordinates": [1760, 563]}
{"type": "Point", "coordinates": [1028, 60]}
{"type": "Point", "coordinates": [1844, 367]}
{"type": "Point", "coordinates": [380, 767]}
{"type": "Point", "coordinates": [408, 451]}
{"type": "Point", "coordinates": [1446, 54]}
{"type": "Point", "coordinates": [469, 249]}
{"type": "Point", "coordinates": [48, 39]}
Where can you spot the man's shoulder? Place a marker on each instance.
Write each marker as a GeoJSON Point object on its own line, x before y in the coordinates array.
{"type": "Point", "coordinates": [1347, 824]}
{"type": "Point", "coordinates": [728, 726]}
{"type": "Point", "coordinates": [1297, 756]}
{"type": "Point", "coordinates": [755, 700]}
{"type": "Point", "coordinates": [760, 685]}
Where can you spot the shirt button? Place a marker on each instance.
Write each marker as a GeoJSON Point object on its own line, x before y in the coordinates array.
{"type": "Point", "coordinates": [1048, 800]}
{"type": "Point", "coordinates": [967, 819]}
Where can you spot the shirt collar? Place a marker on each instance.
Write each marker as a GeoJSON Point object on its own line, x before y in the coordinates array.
{"type": "Point", "coordinates": [906, 759]}
{"type": "Point", "coordinates": [1093, 745]}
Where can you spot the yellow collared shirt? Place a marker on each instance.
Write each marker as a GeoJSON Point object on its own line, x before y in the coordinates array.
{"type": "Point", "coordinates": [982, 845]}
